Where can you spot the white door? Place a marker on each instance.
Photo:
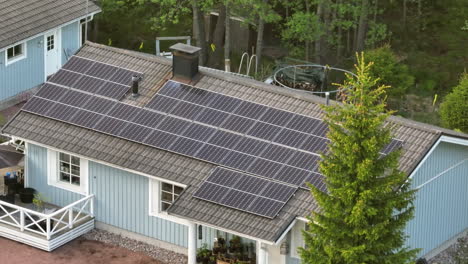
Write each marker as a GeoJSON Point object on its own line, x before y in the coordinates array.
{"type": "Point", "coordinates": [52, 53]}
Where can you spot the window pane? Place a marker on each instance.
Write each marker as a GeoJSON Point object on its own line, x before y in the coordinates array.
{"type": "Point", "coordinates": [65, 167]}
{"type": "Point", "coordinates": [65, 157]}
{"type": "Point", "coordinates": [177, 189]}
{"type": "Point", "coordinates": [167, 187]}
{"type": "Point", "coordinates": [75, 160]}
{"type": "Point", "coordinates": [75, 180]}
{"type": "Point", "coordinates": [167, 197]}
{"type": "Point", "coordinates": [164, 206]}
{"type": "Point", "coordinates": [75, 170]}
{"type": "Point", "coordinates": [10, 53]}
{"type": "Point", "coordinates": [18, 50]}
{"type": "Point", "coordinates": [64, 177]}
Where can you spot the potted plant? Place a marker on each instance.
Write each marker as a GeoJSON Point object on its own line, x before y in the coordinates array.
{"type": "Point", "coordinates": [27, 195]}
{"type": "Point", "coordinates": [235, 245]}
{"type": "Point", "coordinates": [39, 201]}
{"type": "Point", "coordinates": [203, 254]}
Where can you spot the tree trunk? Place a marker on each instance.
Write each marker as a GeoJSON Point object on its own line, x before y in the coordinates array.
{"type": "Point", "coordinates": [227, 40]}
{"type": "Point", "coordinates": [404, 14]}
{"type": "Point", "coordinates": [260, 29]}
{"type": "Point", "coordinates": [307, 43]}
{"type": "Point", "coordinates": [218, 37]}
{"type": "Point", "coordinates": [199, 33]}
{"type": "Point", "coordinates": [323, 39]}
{"type": "Point", "coordinates": [419, 15]}
{"type": "Point", "coordinates": [362, 27]}
{"type": "Point", "coordinates": [318, 43]}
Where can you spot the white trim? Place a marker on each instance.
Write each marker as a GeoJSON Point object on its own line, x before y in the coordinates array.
{"type": "Point", "coordinates": [24, 55]}
{"type": "Point", "coordinates": [42, 32]}
{"type": "Point", "coordinates": [104, 163]}
{"type": "Point", "coordinates": [447, 139]}
{"type": "Point", "coordinates": [53, 174]}
{"type": "Point", "coordinates": [25, 173]}
{"type": "Point", "coordinates": [278, 242]}
{"type": "Point", "coordinates": [454, 140]}
{"type": "Point", "coordinates": [154, 187]}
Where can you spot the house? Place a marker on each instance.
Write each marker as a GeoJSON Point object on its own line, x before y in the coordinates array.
{"type": "Point", "coordinates": [36, 39]}
{"type": "Point", "coordinates": [180, 156]}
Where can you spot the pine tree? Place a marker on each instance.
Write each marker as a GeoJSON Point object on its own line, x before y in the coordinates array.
{"type": "Point", "coordinates": [368, 200]}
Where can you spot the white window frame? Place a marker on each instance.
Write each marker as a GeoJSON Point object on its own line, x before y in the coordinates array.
{"type": "Point", "coordinates": [297, 239]}
{"type": "Point", "coordinates": [154, 203]}
{"type": "Point", "coordinates": [53, 174]}
{"type": "Point", "coordinates": [24, 48]}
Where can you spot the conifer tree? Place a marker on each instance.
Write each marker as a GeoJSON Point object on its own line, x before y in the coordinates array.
{"type": "Point", "coordinates": [368, 200]}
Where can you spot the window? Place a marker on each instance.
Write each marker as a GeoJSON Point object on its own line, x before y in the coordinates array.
{"type": "Point", "coordinates": [16, 53]}
{"type": "Point", "coordinates": [169, 194]}
{"type": "Point", "coordinates": [68, 172]}
{"type": "Point", "coordinates": [69, 169]}
{"type": "Point", "coordinates": [50, 42]}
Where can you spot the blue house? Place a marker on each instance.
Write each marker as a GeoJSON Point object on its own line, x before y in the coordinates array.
{"type": "Point", "coordinates": [36, 39]}
{"type": "Point", "coordinates": [184, 157]}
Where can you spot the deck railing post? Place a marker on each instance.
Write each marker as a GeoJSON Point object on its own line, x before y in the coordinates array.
{"type": "Point", "coordinates": [48, 227]}
{"type": "Point", "coordinates": [70, 217]}
{"type": "Point", "coordinates": [22, 220]}
{"type": "Point", "coordinates": [91, 206]}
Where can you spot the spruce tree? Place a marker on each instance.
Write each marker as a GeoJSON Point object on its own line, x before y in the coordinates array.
{"type": "Point", "coordinates": [368, 201]}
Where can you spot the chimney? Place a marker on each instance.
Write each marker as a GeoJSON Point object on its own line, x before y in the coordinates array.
{"type": "Point", "coordinates": [184, 61]}
{"type": "Point", "coordinates": [135, 83]}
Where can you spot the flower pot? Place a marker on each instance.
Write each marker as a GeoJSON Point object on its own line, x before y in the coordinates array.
{"type": "Point", "coordinates": [27, 195]}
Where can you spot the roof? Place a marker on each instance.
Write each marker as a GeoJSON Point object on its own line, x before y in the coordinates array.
{"type": "Point", "coordinates": [419, 139]}
{"type": "Point", "coordinates": [22, 19]}
{"type": "Point", "coordinates": [10, 157]}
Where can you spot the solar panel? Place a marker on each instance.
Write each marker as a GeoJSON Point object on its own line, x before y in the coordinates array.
{"type": "Point", "coordinates": [102, 71]}
{"type": "Point", "coordinates": [78, 64]}
{"type": "Point", "coordinates": [38, 106]}
{"type": "Point", "coordinates": [113, 90]}
{"type": "Point", "coordinates": [65, 78]}
{"type": "Point", "coordinates": [88, 84]}
{"type": "Point", "coordinates": [245, 192]}
{"type": "Point", "coordinates": [393, 145]}
{"type": "Point", "coordinates": [238, 124]}
{"type": "Point", "coordinates": [50, 91]}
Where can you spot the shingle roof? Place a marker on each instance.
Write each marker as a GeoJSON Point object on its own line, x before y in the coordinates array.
{"type": "Point", "coordinates": [418, 140]}
{"type": "Point", "coordinates": [21, 19]}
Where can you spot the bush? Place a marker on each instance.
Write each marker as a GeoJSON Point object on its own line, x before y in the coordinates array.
{"type": "Point", "coordinates": [390, 71]}
{"type": "Point", "coordinates": [454, 109]}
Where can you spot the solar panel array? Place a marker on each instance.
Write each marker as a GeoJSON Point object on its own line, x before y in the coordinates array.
{"type": "Point", "coordinates": [245, 192]}
{"type": "Point", "coordinates": [280, 148]}
{"type": "Point", "coordinates": [94, 77]}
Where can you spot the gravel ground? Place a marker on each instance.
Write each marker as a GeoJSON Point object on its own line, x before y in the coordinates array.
{"type": "Point", "coordinates": [157, 253]}
{"type": "Point", "coordinates": [455, 254]}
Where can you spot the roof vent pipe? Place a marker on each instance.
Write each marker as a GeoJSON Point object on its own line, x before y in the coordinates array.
{"type": "Point", "coordinates": [135, 83]}
{"type": "Point", "coordinates": [184, 61]}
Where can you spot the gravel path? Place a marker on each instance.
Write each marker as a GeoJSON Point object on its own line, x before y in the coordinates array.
{"type": "Point", "coordinates": [455, 254]}
{"type": "Point", "coordinates": [157, 253]}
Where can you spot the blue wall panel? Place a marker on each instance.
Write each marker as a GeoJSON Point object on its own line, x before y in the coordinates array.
{"type": "Point", "coordinates": [23, 74]}
{"type": "Point", "coordinates": [441, 205]}
{"type": "Point", "coordinates": [70, 41]}
{"type": "Point", "coordinates": [37, 178]}
{"type": "Point", "coordinates": [122, 200]}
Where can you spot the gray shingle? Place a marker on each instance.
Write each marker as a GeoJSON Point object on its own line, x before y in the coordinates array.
{"type": "Point", "coordinates": [22, 19]}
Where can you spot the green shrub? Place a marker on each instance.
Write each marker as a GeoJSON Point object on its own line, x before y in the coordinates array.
{"type": "Point", "coordinates": [454, 109]}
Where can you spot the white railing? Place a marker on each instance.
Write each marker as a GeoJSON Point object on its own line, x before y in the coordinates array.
{"type": "Point", "coordinates": [47, 225]}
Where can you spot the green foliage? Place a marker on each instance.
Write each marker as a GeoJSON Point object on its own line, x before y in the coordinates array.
{"type": "Point", "coordinates": [302, 27]}
{"type": "Point", "coordinates": [454, 109]}
{"type": "Point", "coordinates": [369, 200]}
{"type": "Point", "coordinates": [390, 71]}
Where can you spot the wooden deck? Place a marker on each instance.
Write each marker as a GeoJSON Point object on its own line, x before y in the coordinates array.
{"type": "Point", "coordinates": [49, 231]}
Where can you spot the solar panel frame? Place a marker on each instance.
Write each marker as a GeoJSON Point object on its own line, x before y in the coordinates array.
{"type": "Point", "coordinates": [113, 90]}
{"type": "Point", "coordinates": [65, 78]}
{"type": "Point", "coordinates": [51, 92]}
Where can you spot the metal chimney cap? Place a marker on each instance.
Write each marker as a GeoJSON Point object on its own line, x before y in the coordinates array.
{"type": "Point", "coordinates": [185, 48]}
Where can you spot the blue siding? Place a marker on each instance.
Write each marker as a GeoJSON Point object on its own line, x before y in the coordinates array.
{"type": "Point", "coordinates": [37, 177]}
{"type": "Point", "coordinates": [24, 74]}
{"type": "Point", "coordinates": [70, 40]}
{"type": "Point", "coordinates": [441, 205]}
{"type": "Point", "coordinates": [122, 200]}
